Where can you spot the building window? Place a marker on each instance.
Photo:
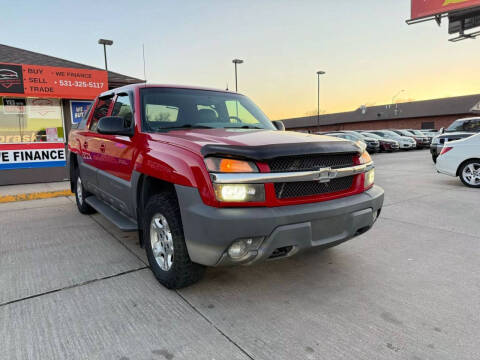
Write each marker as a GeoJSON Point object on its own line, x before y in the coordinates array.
{"type": "Point", "coordinates": [30, 120]}
{"type": "Point", "coordinates": [428, 125]}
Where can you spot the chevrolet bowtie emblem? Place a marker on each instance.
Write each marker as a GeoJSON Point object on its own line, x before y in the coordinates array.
{"type": "Point", "coordinates": [323, 175]}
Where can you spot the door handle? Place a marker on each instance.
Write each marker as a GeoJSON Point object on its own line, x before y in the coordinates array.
{"type": "Point", "coordinates": [102, 148]}
{"type": "Point", "coordinates": [85, 145]}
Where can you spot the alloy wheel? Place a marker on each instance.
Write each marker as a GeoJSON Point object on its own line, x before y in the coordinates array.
{"type": "Point", "coordinates": [79, 191]}
{"type": "Point", "coordinates": [471, 174]}
{"type": "Point", "coordinates": [161, 241]}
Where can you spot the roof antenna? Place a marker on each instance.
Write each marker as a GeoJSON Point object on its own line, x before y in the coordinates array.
{"type": "Point", "coordinates": [144, 71]}
{"type": "Point", "coordinates": [227, 87]}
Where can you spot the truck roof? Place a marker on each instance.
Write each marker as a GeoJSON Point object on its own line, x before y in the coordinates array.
{"type": "Point", "coordinates": [171, 86]}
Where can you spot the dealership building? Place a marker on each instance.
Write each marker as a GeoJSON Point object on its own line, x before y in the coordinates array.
{"type": "Point", "coordinates": [428, 114]}
{"type": "Point", "coordinates": [41, 97]}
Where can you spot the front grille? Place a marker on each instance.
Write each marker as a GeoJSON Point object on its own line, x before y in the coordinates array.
{"type": "Point", "coordinates": [310, 188]}
{"type": "Point", "coordinates": [310, 162]}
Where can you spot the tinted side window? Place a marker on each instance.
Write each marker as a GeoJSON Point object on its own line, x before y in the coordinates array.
{"type": "Point", "coordinates": [124, 109]}
{"type": "Point", "coordinates": [100, 111]}
{"type": "Point", "coordinates": [472, 125]}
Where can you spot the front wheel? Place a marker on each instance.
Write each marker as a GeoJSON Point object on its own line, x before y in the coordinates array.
{"type": "Point", "coordinates": [470, 173]}
{"type": "Point", "coordinates": [165, 243]}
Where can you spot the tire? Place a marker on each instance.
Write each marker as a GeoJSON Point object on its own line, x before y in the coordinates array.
{"type": "Point", "coordinates": [434, 158]}
{"type": "Point", "coordinates": [163, 232]}
{"type": "Point", "coordinates": [470, 173]}
{"type": "Point", "coordinates": [81, 194]}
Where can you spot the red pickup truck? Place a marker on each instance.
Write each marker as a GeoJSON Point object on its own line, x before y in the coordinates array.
{"type": "Point", "coordinates": [207, 180]}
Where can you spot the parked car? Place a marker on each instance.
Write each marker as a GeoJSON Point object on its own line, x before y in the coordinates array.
{"type": "Point", "coordinates": [385, 144]}
{"type": "Point", "coordinates": [405, 142]}
{"type": "Point", "coordinates": [207, 180]}
{"type": "Point", "coordinates": [430, 134]}
{"type": "Point", "coordinates": [459, 129]}
{"type": "Point", "coordinates": [421, 140]}
{"type": "Point", "coordinates": [461, 158]}
{"type": "Point", "coordinates": [373, 145]}
{"type": "Point", "coordinates": [421, 134]}
{"type": "Point", "coordinates": [356, 139]}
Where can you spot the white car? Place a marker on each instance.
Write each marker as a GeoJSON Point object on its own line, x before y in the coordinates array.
{"type": "Point", "coordinates": [461, 158]}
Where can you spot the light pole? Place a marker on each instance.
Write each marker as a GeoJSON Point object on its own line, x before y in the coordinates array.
{"type": "Point", "coordinates": [105, 42]}
{"type": "Point", "coordinates": [318, 95]}
{"type": "Point", "coordinates": [236, 61]}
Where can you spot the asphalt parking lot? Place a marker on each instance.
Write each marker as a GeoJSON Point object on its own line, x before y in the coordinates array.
{"type": "Point", "coordinates": [73, 287]}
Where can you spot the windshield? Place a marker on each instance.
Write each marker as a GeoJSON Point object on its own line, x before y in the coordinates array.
{"type": "Point", "coordinates": [168, 108]}
{"type": "Point", "coordinates": [392, 134]}
{"type": "Point", "coordinates": [346, 136]}
{"type": "Point", "coordinates": [371, 135]}
{"type": "Point", "coordinates": [360, 136]}
{"type": "Point", "coordinates": [405, 132]}
{"type": "Point", "coordinates": [417, 132]}
{"type": "Point", "coordinates": [472, 125]}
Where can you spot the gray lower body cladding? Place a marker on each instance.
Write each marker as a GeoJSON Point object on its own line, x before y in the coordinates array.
{"type": "Point", "coordinates": [210, 231]}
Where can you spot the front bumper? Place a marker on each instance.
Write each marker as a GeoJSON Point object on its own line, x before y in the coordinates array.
{"type": "Point", "coordinates": [408, 146]}
{"type": "Point", "coordinates": [210, 231]}
{"type": "Point", "coordinates": [372, 148]}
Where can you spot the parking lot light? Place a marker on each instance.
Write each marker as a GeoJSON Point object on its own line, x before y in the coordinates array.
{"type": "Point", "coordinates": [105, 42]}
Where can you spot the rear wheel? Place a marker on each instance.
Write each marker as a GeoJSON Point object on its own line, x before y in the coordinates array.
{"type": "Point", "coordinates": [434, 158]}
{"type": "Point", "coordinates": [81, 194]}
{"type": "Point", "coordinates": [165, 243]}
{"type": "Point", "coordinates": [470, 173]}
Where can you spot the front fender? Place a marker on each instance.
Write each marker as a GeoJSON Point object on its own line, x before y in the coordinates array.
{"type": "Point", "coordinates": [177, 166]}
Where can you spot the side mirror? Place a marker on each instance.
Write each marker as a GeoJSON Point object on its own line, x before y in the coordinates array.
{"type": "Point", "coordinates": [113, 125]}
{"type": "Point", "coordinates": [442, 130]}
{"type": "Point", "coordinates": [279, 125]}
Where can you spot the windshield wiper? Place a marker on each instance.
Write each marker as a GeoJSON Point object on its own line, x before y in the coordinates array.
{"type": "Point", "coordinates": [187, 126]}
{"type": "Point", "coordinates": [244, 127]}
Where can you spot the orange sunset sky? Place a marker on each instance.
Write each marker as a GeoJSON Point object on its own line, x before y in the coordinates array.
{"type": "Point", "coordinates": [366, 48]}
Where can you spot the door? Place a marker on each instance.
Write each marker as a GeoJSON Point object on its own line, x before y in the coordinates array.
{"type": "Point", "coordinates": [117, 153]}
{"type": "Point", "coordinates": [91, 155]}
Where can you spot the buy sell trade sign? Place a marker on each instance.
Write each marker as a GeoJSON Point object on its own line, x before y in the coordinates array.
{"type": "Point", "coordinates": [53, 82]}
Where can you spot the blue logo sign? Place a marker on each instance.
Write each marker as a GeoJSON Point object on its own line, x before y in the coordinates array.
{"type": "Point", "coordinates": [78, 110]}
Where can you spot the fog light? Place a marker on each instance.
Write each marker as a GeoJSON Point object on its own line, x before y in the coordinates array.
{"type": "Point", "coordinates": [239, 248]}
{"type": "Point", "coordinates": [369, 178]}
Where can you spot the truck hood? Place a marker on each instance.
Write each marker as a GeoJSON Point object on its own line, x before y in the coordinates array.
{"type": "Point", "coordinates": [254, 144]}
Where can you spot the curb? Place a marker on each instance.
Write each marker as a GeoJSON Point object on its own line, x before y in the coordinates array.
{"type": "Point", "coordinates": [34, 196]}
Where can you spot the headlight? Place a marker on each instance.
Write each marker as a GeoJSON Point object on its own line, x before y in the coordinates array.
{"type": "Point", "coordinates": [369, 178]}
{"type": "Point", "coordinates": [230, 165]}
{"type": "Point", "coordinates": [365, 158]}
{"type": "Point", "coordinates": [239, 192]}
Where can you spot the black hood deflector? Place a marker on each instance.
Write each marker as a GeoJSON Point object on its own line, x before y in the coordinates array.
{"type": "Point", "coordinates": [269, 152]}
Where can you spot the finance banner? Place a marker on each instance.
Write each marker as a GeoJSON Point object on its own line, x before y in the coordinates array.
{"type": "Point", "coordinates": [27, 156]}
{"type": "Point", "coordinates": [52, 82]}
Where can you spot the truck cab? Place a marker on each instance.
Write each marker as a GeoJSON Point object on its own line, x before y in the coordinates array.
{"type": "Point", "coordinates": [208, 180]}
